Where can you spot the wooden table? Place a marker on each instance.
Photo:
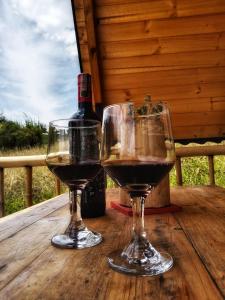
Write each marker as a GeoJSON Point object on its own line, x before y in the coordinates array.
{"type": "Point", "coordinates": [30, 268]}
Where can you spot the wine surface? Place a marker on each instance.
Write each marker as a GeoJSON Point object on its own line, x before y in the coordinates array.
{"type": "Point", "coordinates": [76, 176]}
{"type": "Point", "coordinates": [137, 177]}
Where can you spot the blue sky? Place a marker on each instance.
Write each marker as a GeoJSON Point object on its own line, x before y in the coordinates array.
{"type": "Point", "coordinates": [38, 59]}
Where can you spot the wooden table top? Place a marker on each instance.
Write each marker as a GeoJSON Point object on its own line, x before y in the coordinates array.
{"type": "Point", "coordinates": [30, 268]}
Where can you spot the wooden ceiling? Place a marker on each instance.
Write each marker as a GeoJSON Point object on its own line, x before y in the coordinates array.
{"type": "Point", "coordinates": [173, 50]}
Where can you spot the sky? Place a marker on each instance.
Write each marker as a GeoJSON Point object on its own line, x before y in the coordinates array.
{"type": "Point", "coordinates": [38, 60]}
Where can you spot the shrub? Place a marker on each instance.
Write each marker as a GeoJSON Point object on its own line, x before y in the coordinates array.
{"type": "Point", "coordinates": [15, 135]}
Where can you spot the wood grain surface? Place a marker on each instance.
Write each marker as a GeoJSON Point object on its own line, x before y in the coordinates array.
{"type": "Point", "coordinates": [157, 48]}
{"type": "Point", "coordinates": [30, 268]}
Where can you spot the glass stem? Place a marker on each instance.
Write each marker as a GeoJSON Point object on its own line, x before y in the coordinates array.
{"type": "Point", "coordinates": [138, 204]}
{"type": "Point", "coordinates": [76, 222]}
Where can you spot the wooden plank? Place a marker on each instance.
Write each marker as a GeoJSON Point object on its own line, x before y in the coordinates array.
{"type": "Point", "coordinates": [169, 77]}
{"type": "Point", "coordinates": [200, 7]}
{"type": "Point", "coordinates": [92, 50]}
{"type": "Point", "coordinates": [27, 244]}
{"type": "Point", "coordinates": [198, 59]}
{"type": "Point", "coordinates": [133, 11]}
{"type": "Point", "coordinates": [161, 28]}
{"type": "Point", "coordinates": [115, 2]}
{"type": "Point", "coordinates": [221, 42]}
{"type": "Point", "coordinates": [85, 274]}
{"type": "Point", "coordinates": [137, 71]}
{"type": "Point", "coordinates": [202, 219]}
{"type": "Point", "coordinates": [204, 118]}
{"type": "Point", "coordinates": [190, 105]}
{"type": "Point", "coordinates": [198, 42]}
{"type": "Point", "coordinates": [165, 93]}
{"type": "Point", "coordinates": [59, 259]}
{"type": "Point", "coordinates": [218, 103]}
{"type": "Point", "coordinates": [128, 12]}
{"type": "Point", "coordinates": [203, 131]}
{"type": "Point", "coordinates": [22, 161]}
{"type": "Point", "coordinates": [200, 151]}
{"type": "Point", "coordinates": [196, 104]}
{"type": "Point", "coordinates": [16, 222]}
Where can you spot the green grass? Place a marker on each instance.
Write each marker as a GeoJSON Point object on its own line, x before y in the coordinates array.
{"type": "Point", "coordinates": [43, 182]}
{"type": "Point", "coordinates": [194, 171]}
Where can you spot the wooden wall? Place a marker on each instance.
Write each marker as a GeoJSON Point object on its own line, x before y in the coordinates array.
{"type": "Point", "coordinates": [173, 50]}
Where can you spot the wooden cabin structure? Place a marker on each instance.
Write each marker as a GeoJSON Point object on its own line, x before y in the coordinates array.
{"type": "Point", "coordinates": [173, 50]}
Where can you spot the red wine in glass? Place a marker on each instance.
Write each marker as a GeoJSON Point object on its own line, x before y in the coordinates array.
{"type": "Point", "coordinates": [137, 152]}
{"type": "Point", "coordinates": [137, 177]}
{"type": "Point", "coordinates": [74, 157]}
{"type": "Point", "coordinates": [76, 175]}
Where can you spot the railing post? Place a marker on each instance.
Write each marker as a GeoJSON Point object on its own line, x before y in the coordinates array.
{"type": "Point", "coordinates": [178, 171]}
{"type": "Point", "coordinates": [28, 186]}
{"type": "Point", "coordinates": [2, 206]}
{"type": "Point", "coordinates": [211, 170]}
{"type": "Point", "coordinates": [58, 186]}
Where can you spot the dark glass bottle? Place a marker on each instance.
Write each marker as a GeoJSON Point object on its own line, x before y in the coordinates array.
{"type": "Point", "coordinates": [93, 197]}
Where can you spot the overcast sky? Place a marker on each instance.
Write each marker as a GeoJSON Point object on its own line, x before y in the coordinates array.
{"type": "Point", "coordinates": [38, 59]}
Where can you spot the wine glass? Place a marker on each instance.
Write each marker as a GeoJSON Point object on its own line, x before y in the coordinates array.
{"type": "Point", "coordinates": [137, 152]}
{"type": "Point", "coordinates": [74, 157]}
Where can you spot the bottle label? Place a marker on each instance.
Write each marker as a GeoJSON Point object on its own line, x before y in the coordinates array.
{"type": "Point", "coordinates": [84, 88]}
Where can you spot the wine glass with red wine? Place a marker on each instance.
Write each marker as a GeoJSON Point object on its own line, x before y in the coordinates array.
{"type": "Point", "coordinates": [74, 157]}
{"type": "Point", "coordinates": [137, 152]}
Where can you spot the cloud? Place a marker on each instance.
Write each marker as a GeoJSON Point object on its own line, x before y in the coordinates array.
{"type": "Point", "coordinates": [38, 59]}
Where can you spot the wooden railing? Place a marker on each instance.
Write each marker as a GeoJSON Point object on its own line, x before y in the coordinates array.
{"type": "Point", "coordinates": [28, 162]}
{"type": "Point", "coordinates": [209, 151]}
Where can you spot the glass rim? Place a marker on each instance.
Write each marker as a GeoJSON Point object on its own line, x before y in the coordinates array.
{"type": "Point", "coordinates": [54, 124]}
{"type": "Point", "coordinates": [140, 116]}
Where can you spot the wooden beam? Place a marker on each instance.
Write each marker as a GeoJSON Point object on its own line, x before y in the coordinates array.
{"type": "Point", "coordinates": [22, 161]}
{"type": "Point", "coordinates": [200, 151]}
{"type": "Point", "coordinates": [178, 171]}
{"type": "Point", "coordinates": [28, 186]}
{"type": "Point", "coordinates": [211, 170]}
{"type": "Point", "coordinates": [92, 49]}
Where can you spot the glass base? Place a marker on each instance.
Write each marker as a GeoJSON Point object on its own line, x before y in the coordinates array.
{"type": "Point", "coordinates": [154, 265]}
{"type": "Point", "coordinates": [81, 239]}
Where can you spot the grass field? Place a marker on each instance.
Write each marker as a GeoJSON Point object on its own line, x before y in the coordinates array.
{"type": "Point", "coordinates": [194, 170]}
{"type": "Point", "coordinates": [43, 182]}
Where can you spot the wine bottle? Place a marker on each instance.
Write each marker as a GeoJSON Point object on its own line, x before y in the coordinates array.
{"type": "Point", "coordinates": [93, 196]}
